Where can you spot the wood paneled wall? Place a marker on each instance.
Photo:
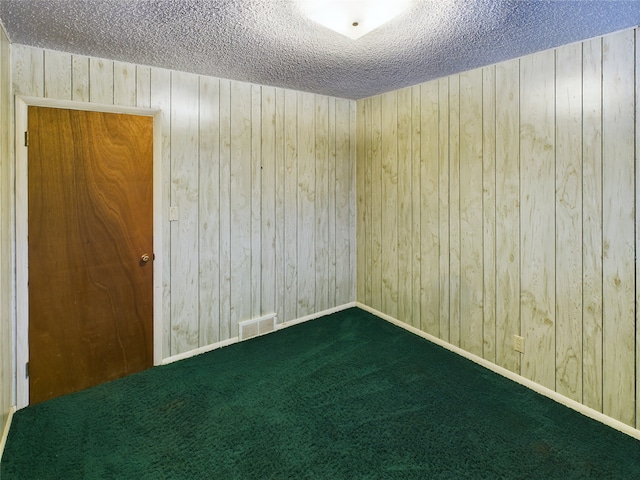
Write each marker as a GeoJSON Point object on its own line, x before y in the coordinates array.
{"type": "Point", "coordinates": [502, 201]}
{"type": "Point", "coordinates": [264, 180]}
{"type": "Point", "coordinates": [6, 233]}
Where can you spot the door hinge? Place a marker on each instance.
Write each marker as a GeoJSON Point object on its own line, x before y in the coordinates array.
{"type": "Point", "coordinates": [26, 139]}
{"type": "Point", "coordinates": [26, 370]}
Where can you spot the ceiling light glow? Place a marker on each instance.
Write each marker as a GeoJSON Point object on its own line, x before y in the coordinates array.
{"type": "Point", "coordinates": [353, 18]}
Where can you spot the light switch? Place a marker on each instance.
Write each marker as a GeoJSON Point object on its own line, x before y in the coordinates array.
{"type": "Point", "coordinates": [173, 214]}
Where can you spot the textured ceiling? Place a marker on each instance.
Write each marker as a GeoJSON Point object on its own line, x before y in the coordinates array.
{"type": "Point", "coordinates": [270, 42]}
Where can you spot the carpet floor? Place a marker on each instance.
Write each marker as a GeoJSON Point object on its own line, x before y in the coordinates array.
{"type": "Point", "coordinates": [346, 396]}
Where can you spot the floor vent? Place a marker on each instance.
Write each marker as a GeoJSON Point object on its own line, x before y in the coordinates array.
{"type": "Point", "coordinates": [257, 326]}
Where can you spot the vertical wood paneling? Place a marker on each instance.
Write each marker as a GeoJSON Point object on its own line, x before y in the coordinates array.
{"type": "Point", "coordinates": [101, 81]}
{"type": "Point", "coordinates": [80, 78]}
{"type": "Point", "coordinates": [27, 71]}
{"type": "Point", "coordinates": [405, 159]}
{"type": "Point", "coordinates": [376, 201]}
{"type": "Point", "coordinates": [240, 204]}
{"type": "Point", "coordinates": [454, 210]}
{"type": "Point", "coordinates": [184, 195]}
{"type": "Point", "coordinates": [444, 231]}
{"type": "Point", "coordinates": [471, 211]}
{"type": "Point", "coordinates": [369, 167]}
{"type": "Point", "coordinates": [345, 225]}
{"type": "Point", "coordinates": [429, 261]}
{"type": "Point", "coordinates": [618, 228]}
{"type": "Point", "coordinates": [280, 203]}
{"type": "Point", "coordinates": [306, 205]}
{"type": "Point", "coordinates": [537, 215]}
{"type": "Point", "coordinates": [334, 192]}
{"type": "Point", "coordinates": [416, 195]}
{"type": "Point", "coordinates": [291, 205]}
{"type": "Point", "coordinates": [321, 188]}
{"type": "Point", "coordinates": [351, 166]}
{"type": "Point", "coordinates": [592, 224]}
{"type": "Point", "coordinates": [225, 209]}
{"type": "Point", "coordinates": [489, 210]}
{"type": "Point", "coordinates": [57, 75]}
{"type": "Point", "coordinates": [268, 278]}
{"type": "Point", "coordinates": [161, 99]}
{"type": "Point", "coordinates": [6, 237]}
{"type": "Point", "coordinates": [209, 211]}
{"type": "Point", "coordinates": [362, 201]}
{"type": "Point", "coordinates": [637, 224]}
{"type": "Point", "coordinates": [569, 221]}
{"type": "Point", "coordinates": [124, 84]}
{"type": "Point", "coordinates": [256, 200]}
{"type": "Point", "coordinates": [507, 213]}
{"type": "Point", "coordinates": [143, 87]}
{"type": "Point", "coordinates": [389, 238]}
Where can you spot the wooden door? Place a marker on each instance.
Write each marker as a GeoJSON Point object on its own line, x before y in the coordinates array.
{"type": "Point", "coordinates": [90, 227]}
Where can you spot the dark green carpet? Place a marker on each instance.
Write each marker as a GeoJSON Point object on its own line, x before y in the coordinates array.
{"type": "Point", "coordinates": [343, 397]}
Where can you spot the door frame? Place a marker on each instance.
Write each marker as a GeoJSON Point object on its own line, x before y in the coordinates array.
{"type": "Point", "coordinates": [22, 104]}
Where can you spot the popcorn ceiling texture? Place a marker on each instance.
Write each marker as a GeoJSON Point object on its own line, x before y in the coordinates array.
{"type": "Point", "coordinates": [269, 42]}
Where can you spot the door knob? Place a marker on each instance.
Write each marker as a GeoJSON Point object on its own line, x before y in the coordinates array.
{"type": "Point", "coordinates": [145, 258]}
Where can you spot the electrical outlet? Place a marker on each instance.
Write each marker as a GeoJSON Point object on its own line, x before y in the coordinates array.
{"type": "Point", "coordinates": [518, 343]}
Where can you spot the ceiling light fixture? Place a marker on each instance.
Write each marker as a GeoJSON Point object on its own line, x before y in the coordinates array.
{"type": "Point", "coordinates": [353, 18]}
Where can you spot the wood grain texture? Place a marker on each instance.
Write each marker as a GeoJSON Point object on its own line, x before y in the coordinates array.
{"type": "Point", "coordinates": [508, 213]}
{"type": "Point", "coordinates": [362, 202]}
{"type": "Point", "coordinates": [280, 202]}
{"type": "Point", "coordinates": [444, 228]}
{"type": "Point", "coordinates": [618, 64]}
{"type": "Point", "coordinates": [240, 204]}
{"type": "Point", "coordinates": [143, 87]}
{"type": "Point", "coordinates": [256, 200]}
{"type": "Point", "coordinates": [161, 99]}
{"type": "Point", "coordinates": [637, 225]}
{"type": "Point", "coordinates": [389, 237]}
{"type": "Point", "coordinates": [332, 212]}
{"type": "Point", "coordinates": [124, 84]}
{"type": "Point", "coordinates": [27, 70]}
{"type": "Point", "coordinates": [569, 200]}
{"type": "Point", "coordinates": [57, 75]}
{"type": "Point", "coordinates": [225, 209]}
{"type": "Point", "coordinates": [537, 216]}
{"type": "Point", "coordinates": [209, 211]}
{"type": "Point", "coordinates": [344, 203]}
{"type": "Point", "coordinates": [90, 220]}
{"type": "Point", "coordinates": [471, 213]}
{"type": "Point", "coordinates": [101, 81]}
{"type": "Point", "coordinates": [376, 202]}
{"type": "Point", "coordinates": [429, 261]}
{"type": "Point", "coordinates": [368, 138]}
{"type": "Point", "coordinates": [80, 78]}
{"type": "Point", "coordinates": [416, 192]}
{"type": "Point", "coordinates": [321, 187]}
{"type": "Point", "coordinates": [454, 210]}
{"type": "Point", "coordinates": [7, 300]}
{"type": "Point", "coordinates": [489, 211]}
{"type": "Point", "coordinates": [185, 334]}
{"type": "Point", "coordinates": [405, 210]}
{"type": "Point", "coordinates": [592, 224]}
{"type": "Point", "coordinates": [291, 206]}
{"type": "Point", "coordinates": [268, 219]}
{"type": "Point", "coordinates": [306, 259]}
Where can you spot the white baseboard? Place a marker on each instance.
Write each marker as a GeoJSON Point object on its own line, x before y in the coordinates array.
{"type": "Point", "coordinates": [5, 431]}
{"type": "Point", "coordinates": [536, 387]}
{"type": "Point", "coordinates": [231, 341]}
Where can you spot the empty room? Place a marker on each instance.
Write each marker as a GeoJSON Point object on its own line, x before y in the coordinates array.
{"type": "Point", "coordinates": [320, 239]}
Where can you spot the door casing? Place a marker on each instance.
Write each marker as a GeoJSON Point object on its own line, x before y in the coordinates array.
{"type": "Point", "coordinates": [22, 261]}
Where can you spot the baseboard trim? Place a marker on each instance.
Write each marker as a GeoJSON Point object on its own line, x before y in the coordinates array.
{"type": "Point", "coordinates": [5, 431]}
{"type": "Point", "coordinates": [536, 387]}
{"type": "Point", "coordinates": [231, 341]}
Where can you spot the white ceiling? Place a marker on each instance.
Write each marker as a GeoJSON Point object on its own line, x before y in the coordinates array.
{"type": "Point", "coordinates": [270, 42]}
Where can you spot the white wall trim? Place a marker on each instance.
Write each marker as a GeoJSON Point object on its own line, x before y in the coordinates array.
{"type": "Point", "coordinates": [547, 392]}
{"type": "Point", "coordinates": [5, 431]}
{"type": "Point", "coordinates": [313, 316]}
{"type": "Point", "coordinates": [231, 341]}
{"type": "Point", "coordinates": [22, 261]}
